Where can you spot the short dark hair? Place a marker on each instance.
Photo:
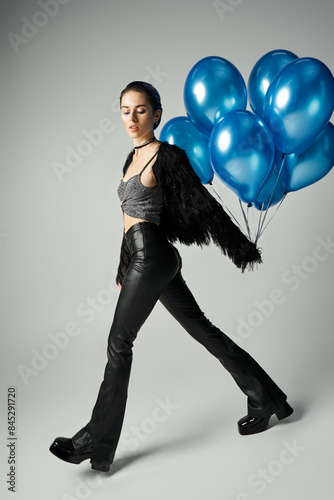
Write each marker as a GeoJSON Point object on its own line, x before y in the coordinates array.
{"type": "Point", "coordinates": [151, 93]}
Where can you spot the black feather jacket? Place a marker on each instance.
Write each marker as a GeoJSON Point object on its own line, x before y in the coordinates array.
{"type": "Point", "coordinates": [191, 214]}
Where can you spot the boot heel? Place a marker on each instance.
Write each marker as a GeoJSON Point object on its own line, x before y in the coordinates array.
{"type": "Point", "coordinates": [101, 466]}
{"type": "Point", "coordinates": [284, 411]}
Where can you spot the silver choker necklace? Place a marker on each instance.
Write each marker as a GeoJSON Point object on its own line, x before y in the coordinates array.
{"type": "Point", "coordinates": [145, 143]}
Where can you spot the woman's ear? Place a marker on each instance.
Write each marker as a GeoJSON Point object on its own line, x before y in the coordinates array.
{"type": "Point", "coordinates": [157, 115]}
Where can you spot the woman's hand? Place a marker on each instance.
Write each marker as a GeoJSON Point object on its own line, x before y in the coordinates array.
{"type": "Point", "coordinates": [120, 286]}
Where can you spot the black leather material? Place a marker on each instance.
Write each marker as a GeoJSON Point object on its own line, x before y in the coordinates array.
{"type": "Point", "coordinates": [154, 274]}
{"type": "Point", "coordinates": [252, 425]}
{"type": "Point", "coordinates": [73, 450]}
{"type": "Point", "coordinates": [154, 264]}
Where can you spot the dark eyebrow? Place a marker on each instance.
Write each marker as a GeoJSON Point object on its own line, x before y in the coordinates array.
{"type": "Point", "coordinates": [138, 106]}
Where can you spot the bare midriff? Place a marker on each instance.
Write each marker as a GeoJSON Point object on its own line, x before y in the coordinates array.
{"type": "Point", "coordinates": [131, 221]}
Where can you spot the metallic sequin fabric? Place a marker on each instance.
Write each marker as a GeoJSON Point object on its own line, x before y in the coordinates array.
{"type": "Point", "coordinates": [140, 201]}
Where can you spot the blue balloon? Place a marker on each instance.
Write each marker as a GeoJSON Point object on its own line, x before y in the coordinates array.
{"type": "Point", "coordinates": [298, 104]}
{"type": "Point", "coordinates": [213, 87]}
{"type": "Point", "coordinates": [263, 73]}
{"type": "Point", "coordinates": [184, 133]}
{"type": "Point", "coordinates": [242, 153]}
{"type": "Point", "coordinates": [308, 167]}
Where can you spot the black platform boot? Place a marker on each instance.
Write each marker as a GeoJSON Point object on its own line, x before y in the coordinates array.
{"type": "Point", "coordinates": [252, 425]}
{"type": "Point", "coordinates": [73, 450]}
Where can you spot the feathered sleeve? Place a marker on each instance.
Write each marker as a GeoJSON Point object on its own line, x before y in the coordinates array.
{"type": "Point", "coordinates": [192, 215]}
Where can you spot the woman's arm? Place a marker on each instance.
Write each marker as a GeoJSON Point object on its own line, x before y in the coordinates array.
{"type": "Point", "coordinates": [124, 262]}
{"type": "Point", "coordinates": [192, 215]}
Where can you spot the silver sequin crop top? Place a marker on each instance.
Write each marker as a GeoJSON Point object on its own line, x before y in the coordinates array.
{"type": "Point", "coordinates": [140, 201]}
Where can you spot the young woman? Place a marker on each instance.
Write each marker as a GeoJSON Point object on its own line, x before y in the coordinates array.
{"type": "Point", "coordinates": [163, 200]}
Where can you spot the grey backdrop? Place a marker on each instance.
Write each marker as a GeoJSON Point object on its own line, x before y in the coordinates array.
{"type": "Point", "coordinates": [62, 68]}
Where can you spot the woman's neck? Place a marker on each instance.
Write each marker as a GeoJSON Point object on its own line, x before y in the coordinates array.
{"type": "Point", "coordinates": [145, 149]}
{"type": "Point", "coordinates": [144, 143]}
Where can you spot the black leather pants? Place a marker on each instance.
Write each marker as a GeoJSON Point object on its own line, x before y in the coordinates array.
{"type": "Point", "coordinates": [155, 274]}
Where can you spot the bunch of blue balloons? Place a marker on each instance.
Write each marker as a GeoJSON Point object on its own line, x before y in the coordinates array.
{"type": "Point", "coordinates": [285, 144]}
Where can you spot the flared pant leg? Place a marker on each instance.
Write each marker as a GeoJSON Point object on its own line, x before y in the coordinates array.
{"type": "Point", "coordinates": [154, 262]}
{"type": "Point", "coordinates": [264, 397]}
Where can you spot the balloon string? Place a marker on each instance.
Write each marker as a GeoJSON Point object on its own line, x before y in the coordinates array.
{"type": "Point", "coordinates": [253, 218]}
{"type": "Point", "coordinates": [245, 219]}
{"type": "Point", "coordinates": [226, 208]}
{"type": "Point", "coordinates": [262, 211]}
{"type": "Point", "coordinates": [272, 193]}
{"type": "Point", "coordinates": [280, 203]}
{"type": "Point", "coordinates": [260, 226]}
{"type": "Point", "coordinates": [248, 216]}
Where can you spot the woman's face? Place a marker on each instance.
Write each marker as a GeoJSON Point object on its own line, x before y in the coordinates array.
{"type": "Point", "coordinates": [137, 116]}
